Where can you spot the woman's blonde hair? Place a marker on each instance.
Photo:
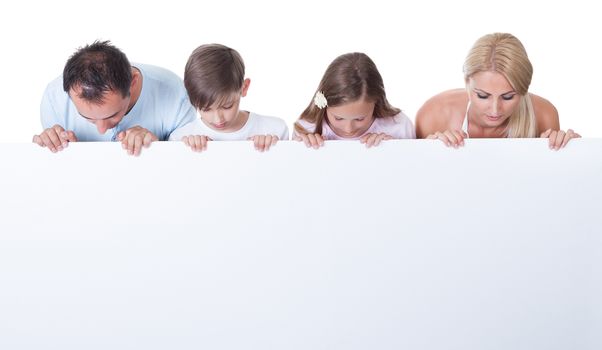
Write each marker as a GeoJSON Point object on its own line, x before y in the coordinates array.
{"type": "Point", "coordinates": [347, 79]}
{"type": "Point", "coordinates": [505, 54]}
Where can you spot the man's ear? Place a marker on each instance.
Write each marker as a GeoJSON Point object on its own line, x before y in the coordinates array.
{"type": "Point", "coordinates": [135, 79]}
{"type": "Point", "coordinates": [245, 86]}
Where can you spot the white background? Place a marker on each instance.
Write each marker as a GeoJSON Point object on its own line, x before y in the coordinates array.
{"type": "Point", "coordinates": [419, 47]}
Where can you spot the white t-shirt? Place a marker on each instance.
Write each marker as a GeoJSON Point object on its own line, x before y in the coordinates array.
{"type": "Point", "coordinates": [256, 125]}
{"type": "Point", "coordinates": [398, 126]}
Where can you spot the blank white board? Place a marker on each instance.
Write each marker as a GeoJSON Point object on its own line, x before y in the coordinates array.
{"type": "Point", "coordinates": [409, 245]}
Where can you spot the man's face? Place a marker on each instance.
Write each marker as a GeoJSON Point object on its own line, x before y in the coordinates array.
{"type": "Point", "coordinates": [106, 114]}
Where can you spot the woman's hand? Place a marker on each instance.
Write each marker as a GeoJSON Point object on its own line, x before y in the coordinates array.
{"type": "Point", "coordinates": [558, 138]}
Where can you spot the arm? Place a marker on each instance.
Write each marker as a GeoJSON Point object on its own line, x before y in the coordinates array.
{"type": "Point", "coordinates": [438, 118]}
{"type": "Point", "coordinates": [274, 129]}
{"type": "Point", "coordinates": [441, 112]}
{"type": "Point", "coordinates": [312, 140]}
{"type": "Point", "coordinates": [424, 121]}
{"type": "Point", "coordinates": [546, 114]}
{"type": "Point", "coordinates": [177, 112]}
{"type": "Point", "coordinates": [185, 115]}
{"type": "Point", "coordinates": [54, 136]}
{"type": "Point", "coordinates": [548, 123]}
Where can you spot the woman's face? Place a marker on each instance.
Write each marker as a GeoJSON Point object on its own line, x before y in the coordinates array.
{"type": "Point", "coordinates": [492, 99]}
{"type": "Point", "coordinates": [351, 120]}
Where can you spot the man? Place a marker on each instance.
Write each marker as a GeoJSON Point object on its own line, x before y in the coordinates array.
{"type": "Point", "coordinates": [101, 97]}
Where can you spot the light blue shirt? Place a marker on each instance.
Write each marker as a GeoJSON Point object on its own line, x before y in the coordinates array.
{"type": "Point", "coordinates": [162, 107]}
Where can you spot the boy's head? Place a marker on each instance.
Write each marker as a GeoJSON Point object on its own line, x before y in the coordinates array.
{"type": "Point", "coordinates": [215, 80]}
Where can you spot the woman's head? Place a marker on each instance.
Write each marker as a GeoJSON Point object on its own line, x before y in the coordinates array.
{"type": "Point", "coordinates": [354, 93]}
{"type": "Point", "coordinates": [497, 73]}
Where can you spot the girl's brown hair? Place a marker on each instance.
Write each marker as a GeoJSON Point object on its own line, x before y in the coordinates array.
{"type": "Point", "coordinates": [348, 78]}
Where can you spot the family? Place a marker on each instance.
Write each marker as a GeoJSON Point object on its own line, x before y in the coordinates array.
{"type": "Point", "coordinates": [101, 96]}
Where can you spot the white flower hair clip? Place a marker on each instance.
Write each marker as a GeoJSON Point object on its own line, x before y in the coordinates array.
{"type": "Point", "coordinates": [320, 100]}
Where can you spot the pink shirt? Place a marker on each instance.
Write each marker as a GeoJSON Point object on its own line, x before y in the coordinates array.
{"type": "Point", "coordinates": [399, 127]}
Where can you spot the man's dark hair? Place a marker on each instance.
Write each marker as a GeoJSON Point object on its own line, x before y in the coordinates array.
{"type": "Point", "coordinates": [96, 69]}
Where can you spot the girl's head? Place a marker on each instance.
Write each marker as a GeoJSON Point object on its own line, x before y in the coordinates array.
{"type": "Point", "coordinates": [497, 73]}
{"type": "Point", "coordinates": [354, 94]}
{"type": "Point", "coordinates": [214, 78]}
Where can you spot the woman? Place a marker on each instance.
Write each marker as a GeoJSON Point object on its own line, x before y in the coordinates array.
{"type": "Point", "coordinates": [496, 102]}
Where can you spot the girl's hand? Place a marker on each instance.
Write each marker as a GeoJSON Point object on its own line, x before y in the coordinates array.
{"type": "Point", "coordinates": [374, 139]}
{"type": "Point", "coordinates": [311, 140]}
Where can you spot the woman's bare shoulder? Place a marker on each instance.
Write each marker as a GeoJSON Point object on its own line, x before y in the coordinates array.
{"type": "Point", "coordinates": [546, 113]}
{"type": "Point", "coordinates": [441, 112]}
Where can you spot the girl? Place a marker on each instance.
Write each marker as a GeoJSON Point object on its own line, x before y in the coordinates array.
{"type": "Point", "coordinates": [350, 104]}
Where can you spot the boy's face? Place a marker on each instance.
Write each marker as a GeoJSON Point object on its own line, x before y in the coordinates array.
{"type": "Point", "coordinates": [224, 115]}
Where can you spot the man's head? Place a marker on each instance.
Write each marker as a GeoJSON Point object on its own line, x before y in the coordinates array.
{"type": "Point", "coordinates": [98, 78]}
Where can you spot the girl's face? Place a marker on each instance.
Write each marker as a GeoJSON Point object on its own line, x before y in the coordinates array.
{"type": "Point", "coordinates": [352, 119]}
{"type": "Point", "coordinates": [492, 99]}
{"type": "Point", "coordinates": [224, 115]}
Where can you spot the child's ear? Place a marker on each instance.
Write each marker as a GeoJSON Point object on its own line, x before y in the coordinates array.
{"type": "Point", "coordinates": [245, 86]}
